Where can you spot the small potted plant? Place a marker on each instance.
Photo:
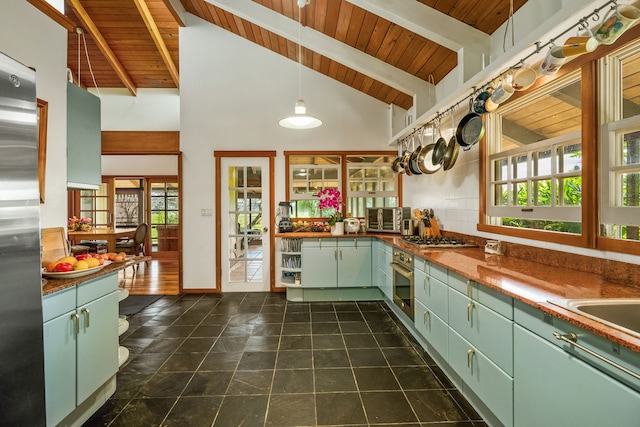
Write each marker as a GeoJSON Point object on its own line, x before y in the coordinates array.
{"type": "Point", "coordinates": [330, 198]}
{"type": "Point", "coordinates": [79, 224]}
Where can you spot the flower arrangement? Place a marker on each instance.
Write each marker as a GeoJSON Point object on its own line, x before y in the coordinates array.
{"type": "Point", "coordinates": [330, 198]}
{"type": "Point", "coordinates": [79, 224]}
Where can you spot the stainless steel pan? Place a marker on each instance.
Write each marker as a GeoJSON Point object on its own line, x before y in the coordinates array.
{"type": "Point", "coordinates": [470, 129]}
{"type": "Point", "coordinates": [440, 147]}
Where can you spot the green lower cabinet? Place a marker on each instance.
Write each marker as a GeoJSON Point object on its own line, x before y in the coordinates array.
{"type": "Point", "coordinates": [432, 328]}
{"type": "Point", "coordinates": [554, 388]}
{"type": "Point", "coordinates": [490, 383]}
{"type": "Point", "coordinates": [60, 367]}
{"type": "Point", "coordinates": [336, 263]}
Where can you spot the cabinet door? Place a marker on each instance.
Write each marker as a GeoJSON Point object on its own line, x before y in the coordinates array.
{"type": "Point", "coordinates": [320, 266]}
{"type": "Point", "coordinates": [354, 266]}
{"type": "Point", "coordinates": [97, 353]}
{"type": "Point", "coordinates": [432, 328]}
{"type": "Point", "coordinates": [492, 385]}
{"type": "Point", "coordinates": [432, 293]}
{"type": "Point", "coordinates": [554, 388]}
{"type": "Point", "coordinates": [84, 139]}
{"type": "Point", "coordinates": [60, 367]}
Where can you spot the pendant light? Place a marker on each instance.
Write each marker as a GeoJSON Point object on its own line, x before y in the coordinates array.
{"type": "Point", "coordinates": [300, 119]}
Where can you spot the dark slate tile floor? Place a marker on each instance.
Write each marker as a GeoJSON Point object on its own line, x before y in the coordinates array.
{"type": "Point", "coordinates": [254, 359]}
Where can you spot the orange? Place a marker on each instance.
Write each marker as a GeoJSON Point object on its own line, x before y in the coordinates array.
{"type": "Point", "coordinates": [51, 266]}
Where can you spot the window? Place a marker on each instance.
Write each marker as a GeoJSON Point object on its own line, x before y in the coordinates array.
{"type": "Point", "coordinates": [370, 181]}
{"type": "Point", "coordinates": [95, 205]}
{"type": "Point", "coordinates": [164, 215]}
{"type": "Point", "coordinates": [535, 160]}
{"type": "Point", "coordinates": [620, 148]}
{"type": "Point", "coordinates": [129, 202]}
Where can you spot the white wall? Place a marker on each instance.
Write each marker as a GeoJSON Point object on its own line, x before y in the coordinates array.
{"type": "Point", "coordinates": [150, 109]}
{"type": "Point", "coordinates": [32, 38]}
{"type": "Point", "coordinates": [233, 93]}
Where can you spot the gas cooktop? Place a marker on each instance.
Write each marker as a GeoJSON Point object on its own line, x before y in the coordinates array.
{"type": "Point", "coordinates": [437, 242]}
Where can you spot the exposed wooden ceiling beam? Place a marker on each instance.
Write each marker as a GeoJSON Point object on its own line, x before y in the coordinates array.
{"type": "Point", "coordinates": [53, 13]}
{"type": "Point", "coordinates": [325, 45]}
{"type": "Point", "coordinates": [104, 47]}
{"type": "Point", "coordinates": [157, 39]}
{"type": "Point", "coordinates": [177, 11]}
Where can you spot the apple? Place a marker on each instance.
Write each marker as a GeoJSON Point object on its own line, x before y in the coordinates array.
{"type": "Point", "coordinates": [63, 267]}
{"type": "Point", "coordinates": [83, 256]}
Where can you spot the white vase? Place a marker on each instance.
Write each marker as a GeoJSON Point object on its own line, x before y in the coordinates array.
{"type": "Point", "coordinates": [337, 229]}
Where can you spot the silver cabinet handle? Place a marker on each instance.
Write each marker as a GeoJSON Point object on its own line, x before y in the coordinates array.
{"type": "Point", "coordinates": [469, 288]}
{"type": "Point", "coordinates": [335, 254]}
{"type": "Point", "coordinates": [85, 311]}
{"type": "Point", "coordinates": [76, 323]}
{"type": "Point", "coordinates": [425, 316]}
{"type": "Point", "coordinates": [572, 339]}
{"type": "Point", "coordinates": [470, 354]}
{"type": "Point", "coordinates": [340, 254]}
{"type": "Point", "coordinates": [469, 310]}
{"type": "Point", "coordinates": [426, 282]}
{"type": "Point", "coordinates": [356, 242]}
{"type": "Point", "coordinates": [425, 265]}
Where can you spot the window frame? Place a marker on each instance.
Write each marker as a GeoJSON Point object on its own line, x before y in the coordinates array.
{"type": "Point", "coordinates": [589, 65]}
{"type": "Point", "coordinates": [344, 183]}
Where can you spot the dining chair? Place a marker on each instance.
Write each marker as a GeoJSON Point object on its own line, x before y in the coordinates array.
{"type": "Point", "coordinates": [134, 245]}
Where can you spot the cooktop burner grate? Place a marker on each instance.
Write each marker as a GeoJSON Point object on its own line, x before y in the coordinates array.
{"type": "Point", "coordinates": [437, 242]}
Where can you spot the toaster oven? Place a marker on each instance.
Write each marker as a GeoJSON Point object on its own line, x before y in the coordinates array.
{"type": "Point", "coordinates": [386, 220]}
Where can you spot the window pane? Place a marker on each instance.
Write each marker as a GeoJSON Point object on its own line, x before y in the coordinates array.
{"type": "Point", "coordinates": [371, 172]}
{"type": "Point", "coordinates": [630, 94]}
{"type": "Point", "coordinates": [237, 177]}
{"type": "Point", "coordinates": [519, 166]}
{"type": "Point", "coordinates": [388, 185]}
{"type": "Point", "coordinates": [371, 186]}
{"type": "Point", "coordinates": [541, 162]}
{"type": "Point", "coordinates": [569, 158]}
{"type": "Point", "coordinates": [631, 149]}
{"type": "Point", "coordinates": [500, 170]}
{"type": "Point", "coordinates": [315, 173]}
{"type": "Point", "coordinates": [501, 193]}
{"type": "Point", "coordinates": [356, 173]}
{"type": "Point", "coordinates": [254, 176]}
{"type": "Point", "coordinates": [386, 172]}
{"type": "Point", "coordinates": [521, 194]}
{"type": "Point", "coordinates": [571, 190]}
{"type": "Point", "coordinates": [630, 189]}
{"type": "Point", "coordinates": [355, 186]}
{"type": "Point", "coordinates": [331, 174]}
{"type": "Point", "coordinates": [299, 173]}
{"type": "Point", "coordinates": [542, 192]}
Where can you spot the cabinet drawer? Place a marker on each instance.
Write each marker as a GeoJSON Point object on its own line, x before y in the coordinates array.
{"type": "Point", "coordinates": [54, 305]}
{"type": "Point", "coordinates": [94, 289]}
{"type": "Point", "coordinates": [434, 330]}
{"type": "Point", "coordinates": [495, 300]}
{"type": "Point", "coordinates": [432, 293]}
{"type": "Point", "coordinates": [485, 378]}
{"type": "Point", "coordinates": [431, 269]}
{"type": "Point", "coordinates": [485, 329]}
{"type": "Point", "coordinates": [354, 242]}
{"type": "Point", "coordinates": [320, 242]}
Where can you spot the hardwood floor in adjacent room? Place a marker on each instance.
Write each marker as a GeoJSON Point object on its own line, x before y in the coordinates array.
{"type": "Point", "coordinates": [157, 277]}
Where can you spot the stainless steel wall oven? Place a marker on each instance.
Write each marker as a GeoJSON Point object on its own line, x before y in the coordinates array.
{"type": "Point", "coordinates": [402, 265]}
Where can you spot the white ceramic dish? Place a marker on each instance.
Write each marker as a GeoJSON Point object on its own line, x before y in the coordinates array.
{"type": "Point", "coordinates": [74, 274]}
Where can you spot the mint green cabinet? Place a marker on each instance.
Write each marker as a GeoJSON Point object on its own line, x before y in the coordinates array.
{"type": "Point", "coordinates": [336, 262]}
{"type": "Point", "coordinates": [319, 263]}
{"type": "Point", "coordinates": [354, 262]}
{"type": "Point", "coordinates": [80, 343]}
{"type": "Point", "coordinates": [84, 139]}
{"type": "Point", "coordinates": [555, 388]}
{"type": "Point", "coordinates": [431, 292]}
{"type": "Point", "coordinates": [434, 329]}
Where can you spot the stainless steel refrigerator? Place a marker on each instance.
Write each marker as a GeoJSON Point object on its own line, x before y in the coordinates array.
{"type": "Point", "coordinates": [21, 349]}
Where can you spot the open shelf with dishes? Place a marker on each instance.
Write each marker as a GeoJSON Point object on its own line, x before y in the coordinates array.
{"type": "Point", "coordinates": [290, 262]}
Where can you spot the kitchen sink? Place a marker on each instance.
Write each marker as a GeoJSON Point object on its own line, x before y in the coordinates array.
{"type": "Point", "coordinates": [619, 313]}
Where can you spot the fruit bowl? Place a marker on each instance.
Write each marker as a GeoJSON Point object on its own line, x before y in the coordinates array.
{"type": "Point", "coordinates": [75, 273]}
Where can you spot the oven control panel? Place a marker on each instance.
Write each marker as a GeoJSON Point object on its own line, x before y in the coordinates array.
{"type": "Point", "coordinates": [403, 258]}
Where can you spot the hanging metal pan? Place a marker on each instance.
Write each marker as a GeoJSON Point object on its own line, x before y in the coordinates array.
{"type": "Point", "coordinates": [470, 129]}
{"type": "Point", "coordinates": [413, 163]}
{"type": "Point", "coordinates": [427, 165]}
{"type": "Point", "coordinates": [451, 153]}
{"type": "Point", "coordinates": [395, 166]}
{"type": "Point", "coordinates": [439, 149]}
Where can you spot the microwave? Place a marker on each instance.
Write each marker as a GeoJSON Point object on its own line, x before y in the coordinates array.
{"type": "Point", "coordinates": [386, 220]}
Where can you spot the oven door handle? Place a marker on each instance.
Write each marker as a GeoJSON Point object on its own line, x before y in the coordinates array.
{"type": "Point", "coordinates": [401, 270]}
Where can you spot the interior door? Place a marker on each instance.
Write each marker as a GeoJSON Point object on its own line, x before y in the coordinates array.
{"type": "Point", "coordinates": [246, 216]}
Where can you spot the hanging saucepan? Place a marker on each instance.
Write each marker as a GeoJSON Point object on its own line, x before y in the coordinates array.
{"type": "Point", "coordinates": [413, 163]}
{"type": "Point", "coordinates": [395, 166]}
{"type": "Point", "coordinates": [470, 129]}
{"type": "Point", "coordinates": [425, 159]}
{"type": "Point", "coordinates": [451, 153]}
{"type": "Point", "coordinates": [439, 149]}
{"type": "Point", "coordinates": [404, 158]}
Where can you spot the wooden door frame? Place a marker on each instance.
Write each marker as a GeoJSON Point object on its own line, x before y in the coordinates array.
{"type": "Point", "coordinates": [218, 155]}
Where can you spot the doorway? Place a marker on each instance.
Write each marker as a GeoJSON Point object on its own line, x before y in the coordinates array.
{"type": "Point", "coordinates": [244, 209]}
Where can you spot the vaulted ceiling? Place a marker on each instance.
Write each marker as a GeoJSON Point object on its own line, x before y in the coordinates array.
{"type": "Point", "coordinates": [388, 49]}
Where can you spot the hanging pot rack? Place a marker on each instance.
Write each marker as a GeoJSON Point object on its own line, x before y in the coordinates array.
{"type": "Point", "coordinates": [582, 24]}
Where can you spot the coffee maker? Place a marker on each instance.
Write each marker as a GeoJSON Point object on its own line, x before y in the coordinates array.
{"type": "Point", "coordinates": [283, 217]}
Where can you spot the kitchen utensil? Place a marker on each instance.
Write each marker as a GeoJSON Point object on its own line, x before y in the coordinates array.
{"type": "Point", "coordinates": [406, 155]}
{"type": "Point", "coordinates": [439, 148]}
{"type": "Point", "coordinates": [481, 99]}
{"type": "Point", "coordinates": [351, 225]}
{"type": "Point", "coordinates": [470, 129]}
{"type": "Point", "coordinates": [414, 160]}
{"type": "Point", "coordinates": [422, 157]}
{"type": "Point", "coordinates": [451, 153]}
{"type": "Point", "coordinates": [523, 78]}
{"type": "Point", "coordinates": [395, 166]}
{"type": "Point", "coordinates": [427, 165]}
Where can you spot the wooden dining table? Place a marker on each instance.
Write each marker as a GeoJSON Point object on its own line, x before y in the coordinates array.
{"type": "Point", "coordinates": [102, 233]}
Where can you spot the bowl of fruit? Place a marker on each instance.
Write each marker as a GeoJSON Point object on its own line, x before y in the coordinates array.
{"type": "Point", "coordinates": [69, 267]}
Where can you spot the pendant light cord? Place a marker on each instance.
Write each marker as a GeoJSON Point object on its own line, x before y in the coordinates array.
{"type": "Point", "coordinates": [299, 53]}
{"type": "Point", "coordinates": [82, 39]}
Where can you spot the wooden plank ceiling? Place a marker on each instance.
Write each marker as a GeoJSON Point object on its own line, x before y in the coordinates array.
{"type": "Point", "coordinates": [126, 51]}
